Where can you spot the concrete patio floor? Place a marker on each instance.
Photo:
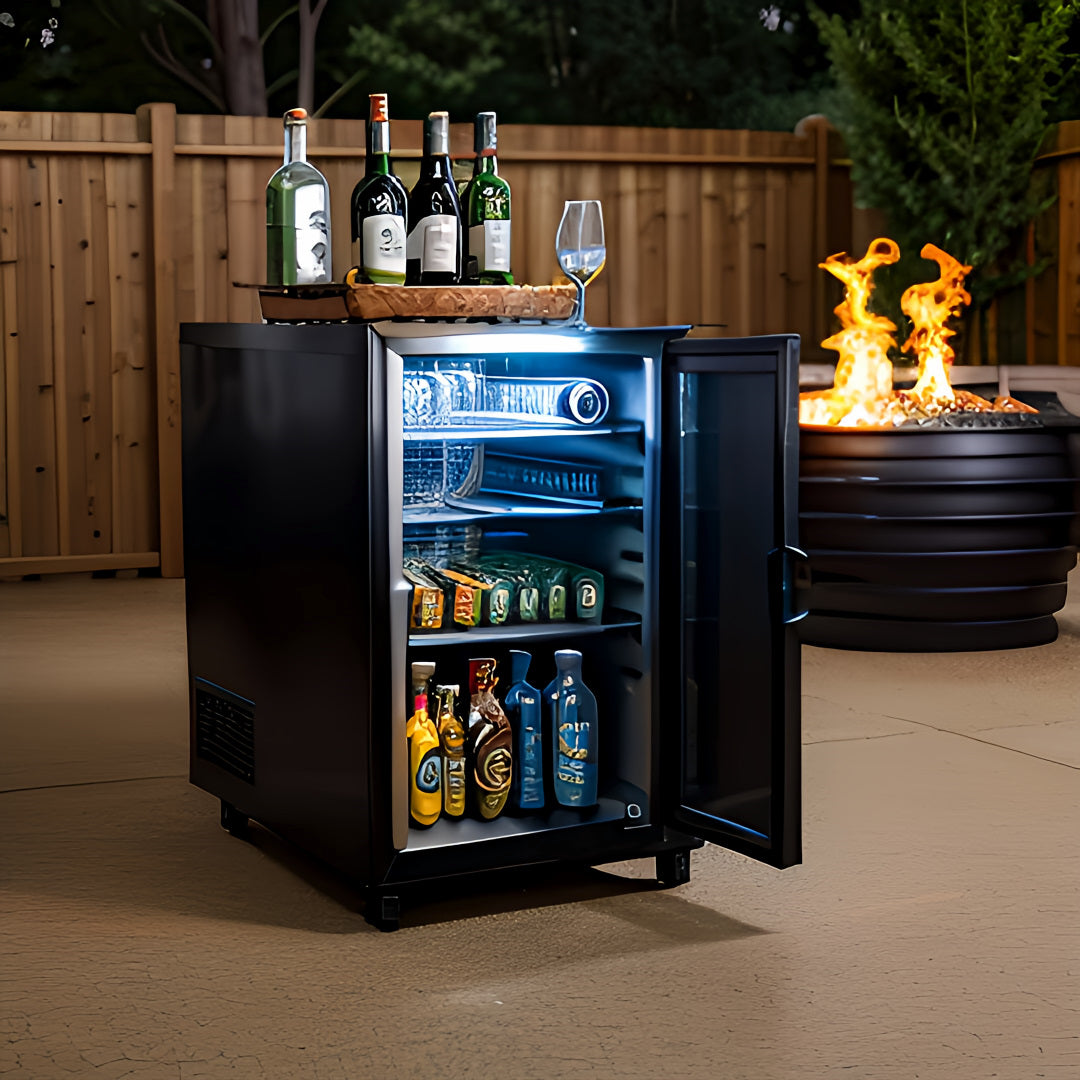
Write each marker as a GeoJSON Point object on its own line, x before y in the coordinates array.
{"type": "Point", "coordinates": [932, 931]}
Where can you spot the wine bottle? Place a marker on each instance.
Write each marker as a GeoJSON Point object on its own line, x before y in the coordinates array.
{"type": "Point", "coordinates": [379, 207]}
{"type": "Point", "coordinates": [574, 734]}
{"type": "Point", "coordinates": [489, 740]}
{"type": "Point", "coordinates": [487, 208]}
{"type": "Point", "coordinates": [452, 742]}
{"type": "Point", "coordinates": [434, 244]}
{"type": "Point", "coordinates": [522, 707]}
{"type": "Point", "coordinates": [425, 758]}
{"type": "Point", "coordinates": [297, 214]}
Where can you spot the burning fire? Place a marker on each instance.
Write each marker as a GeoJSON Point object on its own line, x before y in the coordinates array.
{"type": "Point", "coordinates": [862, 394]}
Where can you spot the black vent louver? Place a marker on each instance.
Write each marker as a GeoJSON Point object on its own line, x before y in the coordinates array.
{"type": "Point", "coordinates": [225, 730]}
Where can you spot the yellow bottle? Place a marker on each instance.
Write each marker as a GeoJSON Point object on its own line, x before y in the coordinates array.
{"type": "Point", "coordinates": [452, 739]}
{"type": "Point", "coordinates": [425, 760]}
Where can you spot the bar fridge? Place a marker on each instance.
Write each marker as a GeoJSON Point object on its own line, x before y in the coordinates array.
{"type": "Point", "coordinates": [322, 461]}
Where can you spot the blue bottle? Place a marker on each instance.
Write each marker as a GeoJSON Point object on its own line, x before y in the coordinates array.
{"type": "Point", "coordinates": [522, 708]}
{"type": "Point", "coordinates": [573, 734]}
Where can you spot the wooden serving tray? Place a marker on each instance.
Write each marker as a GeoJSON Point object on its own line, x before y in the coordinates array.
{"type": "Point", "coordinates": [461, 301]}
{"type": "Point", "coordinates": [335, 301]}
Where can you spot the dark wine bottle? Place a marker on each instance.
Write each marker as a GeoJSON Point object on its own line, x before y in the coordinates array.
{"type": "Point", "coordinates": [487, 208]}
{"type": "Point", "coordinates": [379, 207]}
{"type": "Point", "coordinates": [434, 245]}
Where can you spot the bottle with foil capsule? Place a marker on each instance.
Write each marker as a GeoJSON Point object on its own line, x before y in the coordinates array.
{"type": "Point", "coordinates": [425, 756]}
{"type": "Point", "coordinates": [489, 755]}
{"type": "Point", "coordinates": [379, 207]}
{"type": "Point", "coordinates": [522, 707]}
{"type": "Point", "coordinates": [452, 745]}
{"type": "Point", "coordinates": [573, 733]}
{"type": "Point", "coordinates": [434, 245]}
{"type": "Point", "coordinates": [297, 214]}
{"type": "Point", "coordinates": [486, 206]}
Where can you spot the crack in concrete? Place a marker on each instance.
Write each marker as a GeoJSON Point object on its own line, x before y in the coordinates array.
{"type": "Point", "coordinates": [94, 783]}
{"type": "Point", "coordinates": [985, 742]}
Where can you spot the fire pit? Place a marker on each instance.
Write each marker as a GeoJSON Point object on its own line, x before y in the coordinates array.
{"type": "Point", "coordinates": [934, 519]}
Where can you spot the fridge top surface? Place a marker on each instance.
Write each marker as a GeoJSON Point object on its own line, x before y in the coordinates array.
{"type": "Point", "coordinates": [416, 339]}
{"type": "Point", "coordinates": [437, 339]}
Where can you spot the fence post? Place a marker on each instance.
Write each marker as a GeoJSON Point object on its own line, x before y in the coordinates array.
{"type": "Point", "coordinates": [817, 129]}
{"type": "Point", "coordinates": [157, 125]}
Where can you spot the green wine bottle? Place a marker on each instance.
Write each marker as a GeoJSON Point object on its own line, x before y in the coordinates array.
{"type": "Point", "coordinates": [379, 203]}
{"type": "Point", "coordinates": [487, 208]}
{"type": "Point", "coordinates": [297, 214]}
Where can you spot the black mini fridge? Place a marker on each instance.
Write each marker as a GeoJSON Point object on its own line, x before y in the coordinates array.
{"type": "Point", "coordinates": [317, 457]}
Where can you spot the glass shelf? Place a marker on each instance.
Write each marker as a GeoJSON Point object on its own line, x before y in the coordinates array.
{"type": "Point", "coordinates": [522, 632]}
{"type": "Point", "coordinates": [445, 832]}
{"type": "Point", "coordinates": [510, 430]}
{"type": "Point", "coordinates": [483, 507]}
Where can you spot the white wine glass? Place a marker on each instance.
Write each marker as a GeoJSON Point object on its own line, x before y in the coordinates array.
{"type": "Point", "coordinates": [579, 246]}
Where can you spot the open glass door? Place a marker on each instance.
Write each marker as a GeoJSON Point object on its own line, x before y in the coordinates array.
{"type": "Point", "coordinates": [728, 675]}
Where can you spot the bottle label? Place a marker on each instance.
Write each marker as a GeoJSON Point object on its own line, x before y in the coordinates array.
{"type": "Point", "coordinates": [311, 219]}
{"type": "Point", "coordinates": [532, 769]}
{"type": "Point", "coordinates": [434, 242]}
{"type": "Point", "coordinates": [572, 753]}
{"type": "Point", "coordinates": [384, 244]}
{"type": "Point", "coordinates": [429, 774]}
{"type": "Point", "coordinates": [490, 243]}
{"type": "Point", "coordinates": [454, 790]}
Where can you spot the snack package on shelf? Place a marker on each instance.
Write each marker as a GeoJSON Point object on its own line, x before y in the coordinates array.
{"type": "Point", "coordinates": [556, 589]}
{"type": "Point", "coordinates": [426, 610]}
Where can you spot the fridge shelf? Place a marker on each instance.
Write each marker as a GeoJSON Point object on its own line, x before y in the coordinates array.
{"type": "Point", "coordinates": [447, 833]}
{"type": "Point", "coordinates": [520, 632]}
{"type": "Point", "coordinates": [511, 430]}
{"type": "Point", "coordinates": [482, 507]}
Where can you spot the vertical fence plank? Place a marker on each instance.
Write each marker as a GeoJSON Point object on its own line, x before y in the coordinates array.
{"type": "Point", "coordinates": [97, 421]}
{"type": "Point", "coordinates": [10, 538]}
{"type": "Point", "coordinates": [37, 427]}
{"type": "Point", "coordinates": [245, 200]}
{"type": "Point", "coordinates": [135, 485]}
{"type": "Point", "coordinates": [159, 128]}
{"type": "Point", "coordinates": [1068, 299]}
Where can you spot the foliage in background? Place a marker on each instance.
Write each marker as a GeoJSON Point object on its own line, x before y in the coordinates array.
{"type": "Point", "coordinates": [682, 63]}
{"type": "Point", "coordinates": [943, 108]}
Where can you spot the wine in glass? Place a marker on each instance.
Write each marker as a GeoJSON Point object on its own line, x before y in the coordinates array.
{"type": "Point", "coordinates": [579, 246]}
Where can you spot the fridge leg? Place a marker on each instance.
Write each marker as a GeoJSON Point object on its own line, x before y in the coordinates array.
{"type": "Point", "coordinates": [673, 868]}
{"type": "Point", "coordinates": [383, 911]}
{"type": "Point", "coordinates": [233, 821]}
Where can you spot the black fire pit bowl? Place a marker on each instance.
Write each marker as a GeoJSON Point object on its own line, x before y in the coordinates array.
{"type": "Point", "coordinates": [940, 539]}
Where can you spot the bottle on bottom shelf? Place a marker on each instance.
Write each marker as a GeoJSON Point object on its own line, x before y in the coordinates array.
{"type": "Point", "coordinates": [452, 742]}
{"type": "Point", "coordinates": [573, 733]}
{"type": "Point", "coordinates": [489, 741]}
{"type": "Point", "coordinates": [522, 707]}
{"type": "Point", "coordinates": [425, 759]}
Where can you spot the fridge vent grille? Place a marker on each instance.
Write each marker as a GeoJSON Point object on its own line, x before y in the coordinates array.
{"type": "Point", "coordinates": [225, 731]}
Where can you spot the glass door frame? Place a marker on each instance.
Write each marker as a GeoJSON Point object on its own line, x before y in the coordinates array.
{"type": "Point", "coordinates": [777, 355]}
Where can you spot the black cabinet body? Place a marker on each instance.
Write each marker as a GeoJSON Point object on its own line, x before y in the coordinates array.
{"type": "Point", "coordinates": [294, 461]}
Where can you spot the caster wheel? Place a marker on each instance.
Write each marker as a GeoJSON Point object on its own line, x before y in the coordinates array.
{"type": "Point", "coordinates": [673, 868]}
{"type": "Point", "coordinates": [233, 821]}
{"type": "Point", "coordinates": [384, 913]}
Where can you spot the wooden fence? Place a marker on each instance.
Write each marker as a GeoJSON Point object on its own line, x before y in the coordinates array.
{"type": "Point", "coordinates": [115, 229]}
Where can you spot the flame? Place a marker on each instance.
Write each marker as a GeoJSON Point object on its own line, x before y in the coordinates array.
{"type": "Point", "coordinates": [863, 380]}
{"type": "Point", "coordinates": [862, 393]}
{"type": "Point", "coordinates": [928, 306]}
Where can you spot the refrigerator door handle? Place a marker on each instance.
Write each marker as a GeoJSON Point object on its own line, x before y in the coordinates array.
{"type": "Point", "coordinates": [790, 577]}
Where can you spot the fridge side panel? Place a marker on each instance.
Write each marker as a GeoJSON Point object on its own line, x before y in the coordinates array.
{"type": "Point", "coordinates": [728, 702]}
{"type": "Point", "coordinates": [279, 541]}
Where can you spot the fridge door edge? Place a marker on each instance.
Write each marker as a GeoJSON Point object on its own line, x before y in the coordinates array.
{"type": "Point", "coordinates": [727, 680]}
